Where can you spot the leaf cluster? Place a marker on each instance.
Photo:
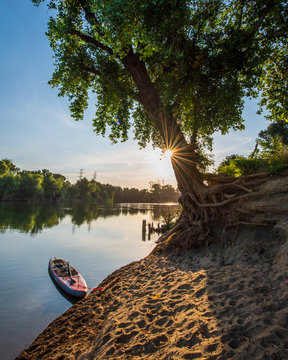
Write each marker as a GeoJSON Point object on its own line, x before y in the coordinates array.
{"type": "Point", "coordinates": [202, 57]}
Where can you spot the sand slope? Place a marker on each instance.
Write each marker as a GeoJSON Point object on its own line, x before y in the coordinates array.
{"type": "Point", "coordinates": [218, 304]}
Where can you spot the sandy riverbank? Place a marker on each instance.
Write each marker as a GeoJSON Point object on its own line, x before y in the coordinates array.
{"type": "Point", "coordinates": [223, 304]}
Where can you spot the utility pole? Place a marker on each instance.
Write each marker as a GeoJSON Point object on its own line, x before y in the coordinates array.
{"type": "Point", "coordinates": [80, 174]}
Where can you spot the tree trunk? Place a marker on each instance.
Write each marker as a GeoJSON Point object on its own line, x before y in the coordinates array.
{"type": "Point", "coordinates": [203, 206]}
{"type": "Point", "coordinates": [190, 183]}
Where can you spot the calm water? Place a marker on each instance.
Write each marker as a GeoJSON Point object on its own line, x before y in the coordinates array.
{"type": "Point", "coordinates": [95, 239]}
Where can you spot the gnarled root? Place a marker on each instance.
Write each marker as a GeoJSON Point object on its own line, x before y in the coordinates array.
{"type": "Point", "coordinates": [247, 201]}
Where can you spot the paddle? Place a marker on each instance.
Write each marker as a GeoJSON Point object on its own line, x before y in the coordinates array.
{"type": "Point", "coordinates": [72, 281]}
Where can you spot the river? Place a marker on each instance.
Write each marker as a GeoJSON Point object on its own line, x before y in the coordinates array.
{"type": "Point", "coordinates": [95, 239]}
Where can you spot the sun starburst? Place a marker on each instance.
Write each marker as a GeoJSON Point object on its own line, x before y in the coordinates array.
{"type": "Point", "coordinates": [168, 153]}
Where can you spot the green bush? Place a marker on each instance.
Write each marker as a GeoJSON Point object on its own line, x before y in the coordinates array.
{"type": "Point", "coordinates": [247, 166]}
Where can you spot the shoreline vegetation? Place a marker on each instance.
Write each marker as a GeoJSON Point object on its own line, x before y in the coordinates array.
{"type": "Point", "coordinates": [42, 185]}
{"type": "Point", "coordinates": [227, 301]}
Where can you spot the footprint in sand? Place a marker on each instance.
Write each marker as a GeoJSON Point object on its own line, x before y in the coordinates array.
{"type": "Point", "coordinates": [188, 342]}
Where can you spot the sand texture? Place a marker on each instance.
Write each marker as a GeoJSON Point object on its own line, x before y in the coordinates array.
{"type": "Point", "coordinates": [218, 303]}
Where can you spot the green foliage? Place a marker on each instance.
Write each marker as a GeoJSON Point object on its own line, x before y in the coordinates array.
{"type": "Point", "coordinates": [46, 186]}
{"type": "Point", "coordinates": [237, 165]}
{"type": "Point", "coordinates": [271, 154]}
{"type": "Point", "coordinates": [86, 189]}
{"type": "Point", "coordinates": [7, 167]}
{"type": "Point", "coordinates": [274, 84]}
{"type": "Point", "coordinates": [274, 140]}
{"type": "Point", "coordinates": [29, 186]}
{"type": "Point", "coordinates": [228, 159]}
{"type": "Point", "coordinates": [198, 58]}
{"type": "Point", "coordinates": [163, 193]}
{"type": "Point", "coordinates": [145, 130]}
{"type": "Point", "coordinates": [4, 169]}
{"type": "Point", "coordinates": [229, 167]}
{"type": "Point", "coordinates": [9, 185]}
{"type": "Point", "coordinates": [52, 185]}
{"type": "Point", "coordinates": [169, 217]}
{"type": "Point", "coordinates": [247, 166]}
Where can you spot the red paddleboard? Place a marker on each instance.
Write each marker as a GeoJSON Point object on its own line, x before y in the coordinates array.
{"type": "Point", "coordinates": [67, 277]}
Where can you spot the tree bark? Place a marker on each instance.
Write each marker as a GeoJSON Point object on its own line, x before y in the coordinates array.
{"type": "Point", "coordinates": [183, 159]}
{"type": "Point", "coordinates": [189, 180]}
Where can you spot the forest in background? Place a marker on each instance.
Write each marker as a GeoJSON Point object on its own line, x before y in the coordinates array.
{"type": "Point", "coordinates": [43, 185]}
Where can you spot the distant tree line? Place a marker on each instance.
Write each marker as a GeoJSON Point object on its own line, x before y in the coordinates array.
{"type": "Point", "coordinates": [42, 185]}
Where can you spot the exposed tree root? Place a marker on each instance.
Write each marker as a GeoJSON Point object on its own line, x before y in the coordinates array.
{"type": "Point", "coordinates": [258, 200]}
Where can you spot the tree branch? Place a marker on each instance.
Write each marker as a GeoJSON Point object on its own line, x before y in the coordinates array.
{"type": "Point", "coordinates": [91, 70]}
{"type": "Point", "coordinates": [90, 17]}
{"type": "Point", "coordinates": [148, 95]}
{"type": "Point", "coordinates": [241, 16]}
{"type": "Point", "coordinates": [90, 40]}
{"type": "Point", "coordinates": [278, 33]}
{"type": "Point", "coordinates": [209, 12]}
{"type": "Point", "coordinates": [263, 15]}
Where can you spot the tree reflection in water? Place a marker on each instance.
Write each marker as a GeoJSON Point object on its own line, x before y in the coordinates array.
{"type": "Point", "coordinates": [32, 217]}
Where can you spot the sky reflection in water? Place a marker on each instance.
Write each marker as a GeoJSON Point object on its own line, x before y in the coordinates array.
{"type": "Point", "coordinates": [95, 239]}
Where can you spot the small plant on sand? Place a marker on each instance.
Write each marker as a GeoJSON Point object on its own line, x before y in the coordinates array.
{"type": "Point", "coordinates": [169, 217]}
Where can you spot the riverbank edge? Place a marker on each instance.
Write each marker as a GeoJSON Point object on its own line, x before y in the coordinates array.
{"type": "Point", "coordinates": [218, 304]}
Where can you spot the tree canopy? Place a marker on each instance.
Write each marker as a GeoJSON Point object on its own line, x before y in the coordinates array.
{"type": "Point", "coordinates": [191, 61]}
{"type": "Point", "coordinates": [175, 71]}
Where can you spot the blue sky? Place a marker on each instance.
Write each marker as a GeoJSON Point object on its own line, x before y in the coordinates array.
{"type": "Point", "coordinates": [37, 132]}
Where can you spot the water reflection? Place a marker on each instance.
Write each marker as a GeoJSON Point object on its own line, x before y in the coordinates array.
{"type": "Point", "coordinates": [33, 218]}
{"type": "Point", "coordinates": [29, 303]}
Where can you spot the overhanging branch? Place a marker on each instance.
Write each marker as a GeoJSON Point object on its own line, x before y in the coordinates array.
{"type": "Point", "coordinates": [90, 40]}
{"type": "Point", "coordinates": [262, 17]}
{"type": "Point", "coordinates": [91, 17]}
{"type": "Point", "coordinates": [91, 70]}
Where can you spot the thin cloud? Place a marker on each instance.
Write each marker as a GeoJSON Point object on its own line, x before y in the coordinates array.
{"type": "Point", "coordinates": [233, 143]}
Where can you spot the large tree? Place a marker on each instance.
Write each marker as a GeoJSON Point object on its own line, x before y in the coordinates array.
{"type": "Point", "coordinates": [176, 71]}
